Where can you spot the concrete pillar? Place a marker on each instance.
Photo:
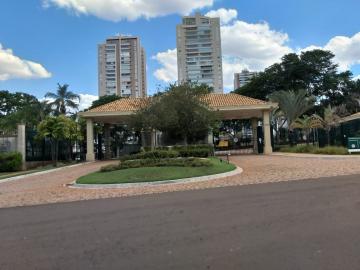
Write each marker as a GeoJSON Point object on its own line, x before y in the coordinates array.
{"type": "Point", "coordinates": [267, 133]}
{"type": "Point", "coordinates": [210, 138]}
{"type": "Point", "coordinates": [107, 141]}
{"type": "Point", "coordinates": [143, 138]}
{"type": "Point", "coordinates": [90, 156]}
{"type": "Point", "coordinates": [21, 143]}
{"type": "Point", "coordinates": [254, 125]}
{"type": "Point", "coordinates": [153, 139]}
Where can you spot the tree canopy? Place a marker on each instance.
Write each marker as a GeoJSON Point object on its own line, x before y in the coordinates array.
{"type": "Point", "coordinates": [314, 71]}
{"type": "Point", "coordinates": [179, 112]}
{"type": "Point", "coordinates": [63, 99]}
{"type": "Point", "coordinates": [104, 100]}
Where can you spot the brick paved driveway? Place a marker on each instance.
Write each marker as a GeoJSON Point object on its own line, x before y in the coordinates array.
{"type": "Point", "coordinates": [50, 187]}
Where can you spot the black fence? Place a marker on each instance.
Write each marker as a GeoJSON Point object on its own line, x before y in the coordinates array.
{"type": "Point", "coordinates": [40, 149]}
{"type": "Point", "coordinates": [337, 136]}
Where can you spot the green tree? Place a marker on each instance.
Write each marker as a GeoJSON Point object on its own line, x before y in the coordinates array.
{"type": "Point", "coordinates": [329, 120]}
{"type": "Point", "coordinates": [181, 112]}
{"type": "Point", "coordinates": [104, 100]}
{"type": "Point", "coordinates": [314, 71]}
{"type": "Point", "coordinates": [63, 99]}
{"type": "Point", "coordinates": [22, 108]}
{"type": "Point", "coordinates": [307, 123]}
{"type": "Point", "coordinates": [292, 104]}
{"type": "Point", "coordinates": [57, 128]}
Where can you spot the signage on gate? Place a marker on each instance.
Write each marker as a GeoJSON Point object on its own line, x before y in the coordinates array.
{"type": "Point", "coordinates": [354, 145]}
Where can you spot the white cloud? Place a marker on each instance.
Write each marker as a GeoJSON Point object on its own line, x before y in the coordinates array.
{"type": "Point", "coordinates": [231, 66]}
{"type": "Point", "coordinates": [357, 77]}
{"type": "Point", "coordinates": [256, 45]}
{"type": "Point", "coordinates": [117, 10]}
{"type": "Point", "coordinates": [244, 45]}
{"type": "Point", "coordinates": [168, 61]}
{"type": "Point", "coordinates": [86, 101]}
{"type": "Point", "coordinates": [225, 15]}
{"type": "Point", "coordinates": [346, 50]}
{"type": "Point", "coordinates": [13, 67]}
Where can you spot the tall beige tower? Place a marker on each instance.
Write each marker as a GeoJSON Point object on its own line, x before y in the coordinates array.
{"type": "Point", "coordinates": [199, 57]}
{"type": "Point", "coordinates": [122, 67]}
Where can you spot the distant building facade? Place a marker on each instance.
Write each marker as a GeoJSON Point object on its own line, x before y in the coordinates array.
{"type": "Point", "coordinates": [243, 78]}
{"type": "Point", "coordinates": [199, 56]}
{"type": "Point", "coordinates": [122, 67]}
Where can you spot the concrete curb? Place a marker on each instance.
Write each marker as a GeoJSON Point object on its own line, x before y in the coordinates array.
{"type": "Point", "coordinates": [14, 178]}
{"type": "Point", "coordinates": [306, 155]}
{"type": "Point", "coordinates": [238, 170]}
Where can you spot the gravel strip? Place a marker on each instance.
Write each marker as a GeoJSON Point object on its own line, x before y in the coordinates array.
{"type": "Point", "coordinates": [51, 188]}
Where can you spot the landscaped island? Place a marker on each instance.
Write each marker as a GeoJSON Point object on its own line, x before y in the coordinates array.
{"type": "Point", "coordinates": [160, 165]}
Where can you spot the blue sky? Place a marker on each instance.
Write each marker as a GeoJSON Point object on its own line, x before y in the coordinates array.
{"type": "Point", "coordinates": [61, 37]}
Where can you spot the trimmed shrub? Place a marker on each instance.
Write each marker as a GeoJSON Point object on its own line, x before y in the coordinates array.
{"type": "Point", "coordinates": [176, 162]}
{"type": "Point", "coordinates": [331, 150]}
{"type": "Point", "coordinates": [166, 162]}
{"type": "Point", "coordinates": [110, 168]}
{"type": "Point", "coordinates": [152, 155]}
{"type": "Point", "coordinates": [10, 162]}
{"type": "Point", "coordinates": [194, 153]}
{"type": "Point", "coordinates": [328, 150]}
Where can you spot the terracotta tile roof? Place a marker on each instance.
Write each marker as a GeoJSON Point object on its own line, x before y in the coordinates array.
{"type": "Point", "coordinates": [229, 100]}
{"type": "Point", "coordinates": [124, 104]}
{"type": "Point", "coordinates": [214, 101]}
{"type": "Point", "coordinates": [351, 117]}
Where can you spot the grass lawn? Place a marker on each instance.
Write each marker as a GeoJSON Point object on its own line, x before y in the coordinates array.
{"type": "Point", "coordinates": [151, 174]}
{"type": "Point", "coordinates": [4, 175]}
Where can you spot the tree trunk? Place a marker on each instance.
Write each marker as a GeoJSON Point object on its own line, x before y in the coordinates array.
{"type": "Point", "coordinates": [56, 152]}
{"type": "Point", "coordinates": [328, 136]}
{"type": "Point", "coordinates": [185, 139]}
{"type": "Point", "coordinates": [53, 150]}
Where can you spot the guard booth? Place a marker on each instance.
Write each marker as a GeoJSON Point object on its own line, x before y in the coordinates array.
{"type": "Point", "coordinates": [354, 145]}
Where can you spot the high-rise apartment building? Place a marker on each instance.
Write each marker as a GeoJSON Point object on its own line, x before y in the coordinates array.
{"type": "Point", "coordinates": [199, 57]}
{"type": "Point", "coordinates": [122, 67]}
{"type": "Point", "coordinates": [243, 78]}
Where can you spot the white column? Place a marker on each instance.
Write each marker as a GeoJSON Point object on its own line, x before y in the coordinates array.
{"type": "Point", "coordinates": [21, 143]}
{"type": "Point", "coordinates": [267, 134]}
{"type": "Point", "coordinates": [210, 138]}
{"type": "Point", "coordinates": [153, 139]}
{"type": "Point", "coordinates": [107, 141]}
{"type": "Point", "coordinates": [254, 125]}
{"type": "Point", "coordinates": [90, 156]}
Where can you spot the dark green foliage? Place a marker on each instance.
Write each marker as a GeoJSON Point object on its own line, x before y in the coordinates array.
{"type": "Point", "coordinates": [104, 100]}
{"type": "Point", "coordinates": [180, 113]}
{"type": "Point", "coordinates": [63, 99]}
{"type": "Point", "coordinates": [205, 147]}
{"type": "Point", "coordinates": [314, 71]}
{"type": "Point", "coordinates": [328, 150]}
{"type": "Point", "coordinates": [10, 162]}
{"type": "Point", "coordinates": [22, 108]}
{"type": "Point", "coordinates": [194, 153]}
{"type": "Point", "coordinates": [163, 162]}
{"type": "Point", "coordinates": [157, 154]}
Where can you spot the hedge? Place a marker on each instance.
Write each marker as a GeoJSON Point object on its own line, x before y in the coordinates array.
{"type": "Point", "coordinates": [166, 162]}
{"type": "Point", "coordinates": [152, 155]}
{"type": "Point", "coordinates": [10, 162]}
{"type": "Point", "coordinates": [328, 150]}
{"type": "Point", "coordinates": [181, 147]}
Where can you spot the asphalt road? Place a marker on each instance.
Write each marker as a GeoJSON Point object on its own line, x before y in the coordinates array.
{"type": "Point", "coordinates": [312, 224]}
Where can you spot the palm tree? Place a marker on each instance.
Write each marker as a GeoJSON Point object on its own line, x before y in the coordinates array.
{"type": "Point", "coordinates": [307, 123]}
{"type": "Point", "coordinates": [292, 105]}
{"type": "Point", "coordinates": [330, 120]}
{"type": "Point", "coordinates": [63, 99]}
